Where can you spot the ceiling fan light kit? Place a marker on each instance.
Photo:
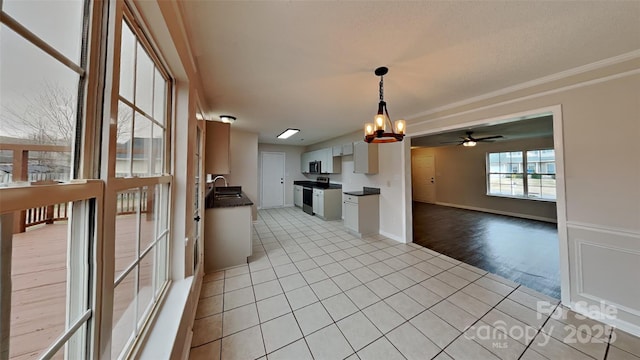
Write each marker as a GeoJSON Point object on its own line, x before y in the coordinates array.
{"type": "Point", "coordinates": [470, 141]}
{"type": "Point", "coordinates": [376, 132]}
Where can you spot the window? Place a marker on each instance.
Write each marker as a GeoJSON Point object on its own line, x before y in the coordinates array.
{"type": "Point", "coordinates": [46, 236]}
{"type": "Point", "coordinates": [506, 177]}
{"type": "Point", "coordinates": [140, 180]}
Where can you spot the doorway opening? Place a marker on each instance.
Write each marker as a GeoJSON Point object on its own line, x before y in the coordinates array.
{"type": "Point", "coordinates": [498, 203]}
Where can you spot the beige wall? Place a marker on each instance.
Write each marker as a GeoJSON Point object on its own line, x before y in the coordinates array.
{"type": "Point", "coordinates": [244, 164]}
{"type": "Point", "coordinates": [461, 178]}
{"type": "Point", "coordinates": [389, 179]}
{"type": "Point", "coordinates": [292, 170]}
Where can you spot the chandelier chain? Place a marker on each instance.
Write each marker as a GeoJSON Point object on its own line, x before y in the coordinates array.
{"type": "Point", "coordinates": [381, 88]}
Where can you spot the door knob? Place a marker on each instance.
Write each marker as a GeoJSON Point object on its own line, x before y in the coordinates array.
{"type": "Point", "coordinates": [197, 218]}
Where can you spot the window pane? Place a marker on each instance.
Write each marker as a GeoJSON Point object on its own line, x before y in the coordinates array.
{"type": "Point", "coordinates": [145, 285]}
{"type": "Point", "coordinates": [144, 80]}
{"type": "Point", "coordinates": [123, 314]}
{"type": "Point", "coordinates": [59, 23]}
{"type": "Point", "coordinates": [6, 168]}
{"type": "Point", "coordinates": [159, 97]}
{"type": "Point", "coordinates": [494, 184]}
{"type": "Point", "coordinates": [147, 217]}
{"type": "Point", "coordinates": [157, 151]}
{"type": "Point", "coordinates": [142, 164]}
{"type": "Point", "coordinates": [127, 62]}
{"type": "Point", "coordinates": [39, 281]}
{"type": "Point", "coordinates": [127, 205]}
{"type": "Point", "coordinates": [161, 263]}
{"type": "Point", "coordinates": [124, 135]}
{"type": "Point", "coordinates": [39, 102]}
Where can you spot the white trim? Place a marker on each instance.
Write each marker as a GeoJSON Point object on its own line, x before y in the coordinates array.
{"type": "Point", "coordinates": [528, 97]}
{"type": "Point", "coordinates": [532, 83]}
{"type": "Point", "coordinates": [616, 322]}
{"type": "Point", "coordinates": [580, 280]}
{"type": "Point", "coordinates": [498, 212]}
{"type": "Point", "coordinates": [561, 205]}
{"type": "Point", "coordinates": [603, 229]}
{"type": "Point", "coordinates": [392, 236]}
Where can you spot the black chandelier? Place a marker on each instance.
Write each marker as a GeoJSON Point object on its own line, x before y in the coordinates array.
{"type": "Point", "coordinates": [376, 132]}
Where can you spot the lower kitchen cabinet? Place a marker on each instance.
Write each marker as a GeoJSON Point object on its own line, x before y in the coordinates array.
{"type": "Point", "coordinates": [227, 234]}
{"type": "Point", "coordinates": [297, 195]}
{"type": "Point", "coordinates": [326, 203]}
{"type": "Point", "coordinates": [362, 214]}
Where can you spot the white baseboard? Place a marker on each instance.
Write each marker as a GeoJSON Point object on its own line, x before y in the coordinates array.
{"type": "Point", "coordinates": [626, 326]}
{"type": "Point", "coordinates": [499, 212]}
{"type": "Point", "coordinates": [391, 236]}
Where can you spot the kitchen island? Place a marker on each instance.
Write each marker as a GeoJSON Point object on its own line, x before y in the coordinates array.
{"type": "Point", "coordinates": [227, 228]}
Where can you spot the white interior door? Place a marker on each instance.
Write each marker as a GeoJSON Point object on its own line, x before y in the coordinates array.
{"type": "Point", "coordinates": [423, 178]}
{"type": "Point", "coordinates": [272, 180]}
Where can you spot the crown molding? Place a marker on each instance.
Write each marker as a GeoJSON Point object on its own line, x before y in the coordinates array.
{"type": "Point", "coordinates": [532, 83]}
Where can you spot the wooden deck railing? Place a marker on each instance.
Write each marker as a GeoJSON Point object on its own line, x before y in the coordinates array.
{"type": "Point", "coordinates": [127, 203]}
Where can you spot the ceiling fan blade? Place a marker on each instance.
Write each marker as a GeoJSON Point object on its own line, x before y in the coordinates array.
{"type": "Point", "coordinates": [489, 137]}
{"type": "Point", "coordinates": [451, 142]}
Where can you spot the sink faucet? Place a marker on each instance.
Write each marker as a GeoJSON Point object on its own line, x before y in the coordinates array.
{"type": "Point", "coordinates": [219, 177]}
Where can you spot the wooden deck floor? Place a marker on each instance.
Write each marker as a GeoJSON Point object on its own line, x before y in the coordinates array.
{"type": "Point", "coordinates": [39, 285]}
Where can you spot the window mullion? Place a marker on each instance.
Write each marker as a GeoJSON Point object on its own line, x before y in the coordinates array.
{"type": "Point", "coordinates": [525, 175]}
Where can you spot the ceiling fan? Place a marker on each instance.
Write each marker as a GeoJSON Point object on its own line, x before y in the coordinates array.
{"type": "Point", "coordinates": [471, 141]}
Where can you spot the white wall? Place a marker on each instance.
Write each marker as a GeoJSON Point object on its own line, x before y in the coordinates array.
{"type": "Point", "coordinates": [600, 113]}
{"type": "Point", "coordinates": [292, 171]}
{"type": "Point", "coordinates": [243, 146]}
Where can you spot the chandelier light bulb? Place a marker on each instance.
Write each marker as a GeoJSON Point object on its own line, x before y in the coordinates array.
{"type": "Point", "coordinates": [368, 129]}
{"type": "Point", "coordinates": [380, 122]}
{"type": "Point", "coordinates": [400, 126]}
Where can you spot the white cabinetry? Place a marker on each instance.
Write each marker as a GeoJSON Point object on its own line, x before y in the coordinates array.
{"type": "Point", "coordinates": [365, 158]}
{"type": "Point", "coordinates": [337, 150]}
{"type": "Point", "coordinates": [329, 164]}
{"type": "Point", "coordinates": [326, 203]}
{"type": "Point", "coordinates": [347, 149]}
{"type": "Point", "coordinates": [362, 214]}
{"type": "Point", "coordinates": [318, 202]}
{"type": "Point", "coordinates": [297, 195]}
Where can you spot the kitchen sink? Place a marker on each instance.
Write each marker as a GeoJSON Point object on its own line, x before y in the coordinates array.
{"type": "Point", "coordinates": [227, 192]}
{"type": "Point", "coordinates": [227, 196]}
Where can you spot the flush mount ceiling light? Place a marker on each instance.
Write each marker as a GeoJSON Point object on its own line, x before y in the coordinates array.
{"type": "Point", "coordinates": [227, 119]}
{"type": "Point", "coordinates": [376, 132]}
{"type": "Point", "coordinates": [288, 133]}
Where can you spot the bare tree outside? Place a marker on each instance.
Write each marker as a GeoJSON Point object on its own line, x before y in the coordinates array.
{"type": "Point", "coordinates": [46, 117]}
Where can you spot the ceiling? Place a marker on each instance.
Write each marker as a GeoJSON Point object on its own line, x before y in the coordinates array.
{"type": "Point", "coordinates": [529, 128]}
{"type": "Point", "coordinates": [309, 65]}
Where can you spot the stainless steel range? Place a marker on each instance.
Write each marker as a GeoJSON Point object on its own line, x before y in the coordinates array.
{"type": "Point", "coordinates": [307, 194]}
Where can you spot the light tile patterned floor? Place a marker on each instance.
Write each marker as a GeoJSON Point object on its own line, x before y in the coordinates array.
{"type": "Point", "coordinates": [313, 291]}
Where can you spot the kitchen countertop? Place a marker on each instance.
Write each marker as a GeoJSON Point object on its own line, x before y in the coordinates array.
{"type": "Point", "coordinates": [213, 203]}
{"type": "Point", "coordinates": [364, 192]}
{"type": "Point", "coordinates": [317, 185]}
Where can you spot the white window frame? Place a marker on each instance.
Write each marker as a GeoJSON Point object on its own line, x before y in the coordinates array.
{"type": "Point", "coordinates": [116, 184]}
{"type": "Point", "coordinates": [524, 173]}
{"type": "Point", "coordinates": [86, 197]}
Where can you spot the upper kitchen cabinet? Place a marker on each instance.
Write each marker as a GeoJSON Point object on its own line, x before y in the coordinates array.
{"type": "Point", "coordinates": [365, 158]}
{"type": "Point", "coordinates": [329, 164]}
{"type": "Point", "coordinates": [347, 149]}
{"type": "Point", "coordinates": [217, 159]}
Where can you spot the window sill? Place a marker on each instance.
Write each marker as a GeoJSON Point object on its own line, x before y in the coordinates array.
{"type": "Point", "coordinates": [162, 336]}
{"type": "Point", "coordinates": [522, 198]}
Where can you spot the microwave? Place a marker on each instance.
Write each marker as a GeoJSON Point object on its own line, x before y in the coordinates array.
{"type": "Point", "coordinates": [315, 167]}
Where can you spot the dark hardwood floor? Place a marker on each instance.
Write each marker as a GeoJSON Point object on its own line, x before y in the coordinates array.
{"type": "Point", "coordinates": [524, 251]}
